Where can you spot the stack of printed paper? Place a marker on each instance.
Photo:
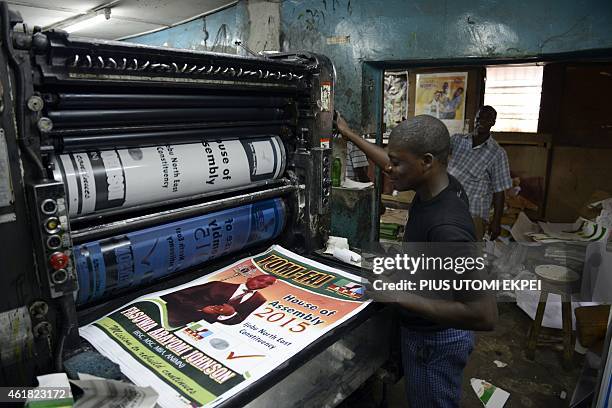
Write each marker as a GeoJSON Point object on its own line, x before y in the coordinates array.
{"type": "Point", "coordinates": [581, 230]}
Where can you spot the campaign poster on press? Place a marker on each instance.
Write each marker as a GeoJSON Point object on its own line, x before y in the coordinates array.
{"type": "Point", "coordinates": [202, 342]}
{"type": "Point", "coordinates": [442, 95]}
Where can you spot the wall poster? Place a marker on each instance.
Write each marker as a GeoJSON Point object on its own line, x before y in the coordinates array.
{"type": "Point", "coordinates": [442, 95]}
{"type": "Point", "coordinates": [395, 99]}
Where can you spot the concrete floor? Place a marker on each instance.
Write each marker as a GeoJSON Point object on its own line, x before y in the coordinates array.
{"type": "Point", "coordinates": [537, 384]}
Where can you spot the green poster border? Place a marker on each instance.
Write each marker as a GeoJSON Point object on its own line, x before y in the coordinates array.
{"type": "Point", "coordinates": [153, 361]}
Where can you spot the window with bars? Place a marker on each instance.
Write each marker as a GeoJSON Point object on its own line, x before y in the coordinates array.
{"type": "Point", "coordinates": [514, 91]}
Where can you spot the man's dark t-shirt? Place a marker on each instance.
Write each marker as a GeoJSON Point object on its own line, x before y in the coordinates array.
{"type": "Point", "coordinates": [444, 218]}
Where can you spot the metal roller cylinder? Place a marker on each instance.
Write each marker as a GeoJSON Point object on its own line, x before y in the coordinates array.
{"type": "Point", "coordinates": [114, 264]}
{"type": "Point", "coordinates": [98, 101]}
{"type": "Point", "coordinates": [111, 179]}
{"type": "Point", "coordinates": [82, 141]}
{"type": "Point", "coordinates": [122, 117]}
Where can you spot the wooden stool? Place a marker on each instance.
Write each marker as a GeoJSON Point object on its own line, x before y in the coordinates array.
{"type": "Point", "coordinates": [562, 281]}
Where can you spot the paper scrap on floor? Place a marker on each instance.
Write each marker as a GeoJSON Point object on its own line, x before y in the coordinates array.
{"type": "Point", "coordinates": [528, 301]}
{"type": "Point", "coordinates": [490, 395]}
{"type": "Point", "coordinates": [605, 216]}
{"type": "Point", "coordinates": [522, 228]}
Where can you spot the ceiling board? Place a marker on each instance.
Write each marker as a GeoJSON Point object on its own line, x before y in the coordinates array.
{"type": "Point", "coordinates": [128, 17]}
{"type": "Point", "coordinates": [74, 6]}
{"type": "Point", "coordinates": [114, 28]}
{"type": "Point", "coordinates": [165, 12]}
{"type": "Point", "coordinates": [34, 16]}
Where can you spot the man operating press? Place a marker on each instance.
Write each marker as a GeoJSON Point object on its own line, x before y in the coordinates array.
{"type": "Point", "coordinates": [436, 333]}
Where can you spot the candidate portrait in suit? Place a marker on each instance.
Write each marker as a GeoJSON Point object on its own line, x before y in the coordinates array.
{"type": "Point", "coordinates": [221, 302]}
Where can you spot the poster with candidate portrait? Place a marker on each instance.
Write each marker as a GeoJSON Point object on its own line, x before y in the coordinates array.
{"type": "Point", "coordinates": [200, 343]}
{"type": "Point", "coordinates": [442, 95]}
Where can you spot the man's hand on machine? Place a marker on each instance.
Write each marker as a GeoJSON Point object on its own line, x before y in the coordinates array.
{"type": "Point", "coordinates": [224, 309]}
{"type": "Point", "coordinates": [342, 127]}
{"type": "Point", "coordinates": [382, 294]}
{"type": "Point", "coordinates": [375, 153]}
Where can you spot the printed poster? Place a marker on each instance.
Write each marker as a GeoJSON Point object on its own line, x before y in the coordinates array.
{"type": "Point", "coordinates": [442, 95]}
{"type": "Point", "coordinates": [395, 101]}
{"type": "Point", "coordinates": [202, 342]}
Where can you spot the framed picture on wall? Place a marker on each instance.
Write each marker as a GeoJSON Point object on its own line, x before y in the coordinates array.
{"type": "Point", "coordinates": [442, 95]}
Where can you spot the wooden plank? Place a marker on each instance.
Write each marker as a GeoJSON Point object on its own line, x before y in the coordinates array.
{"type": "Point", "coordinates": [517, 138]}
{"type": "Point", "coordinates": [576, 173]}
{"type": "Point", "coordinates": [586, 112]}
{"type": "Point", "coordinates": [552, 95]}
{"type": "Point", "coordinates": [530, 164]}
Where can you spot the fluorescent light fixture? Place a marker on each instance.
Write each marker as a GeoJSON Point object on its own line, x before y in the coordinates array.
{"type": "Point", "coordinates": [88, 21]}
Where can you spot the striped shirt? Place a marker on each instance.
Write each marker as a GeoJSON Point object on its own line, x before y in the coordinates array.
{"type": "Point", "coordinates": [354, 158]}
{"type": "Point", "coordinates": [482, 170]}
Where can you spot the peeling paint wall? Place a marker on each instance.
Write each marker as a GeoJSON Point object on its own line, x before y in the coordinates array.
{"type": "Point", "coordinates": [254, 22]}
{"type": "Point", "coordinates": [264, 25]}
{"type": "Point", "coordinates": [214, 32]}
{"type": "Point", "coordinates": [353, 31]}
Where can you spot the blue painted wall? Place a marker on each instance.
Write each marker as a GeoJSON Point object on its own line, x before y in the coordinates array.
{"type": "Point", "coordinates": [436, 29]}
{"type": "Point", "coordinates": [395, 30]}
{"type": "Point", "coordinates": [214, 32]}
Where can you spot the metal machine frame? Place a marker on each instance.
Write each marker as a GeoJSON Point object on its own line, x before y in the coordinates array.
{"type": "Point", "coordinates": [39, 74]}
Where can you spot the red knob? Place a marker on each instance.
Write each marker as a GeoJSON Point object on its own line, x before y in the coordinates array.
{"type": "Point", "coordinates": [58, 260]}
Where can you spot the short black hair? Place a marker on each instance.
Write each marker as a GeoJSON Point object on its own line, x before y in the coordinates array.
{"type": "Point", "coordinates": [424, 134]}
{"type": "Point", "coordinates": [489, 109]}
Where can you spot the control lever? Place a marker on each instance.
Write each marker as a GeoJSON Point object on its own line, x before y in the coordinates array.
{"type": "Point", "coordinates": [239, 43]}
{"type": "Point", "coordinates": [302, 143]}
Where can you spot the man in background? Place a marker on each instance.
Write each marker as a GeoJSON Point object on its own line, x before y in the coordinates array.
{"type": "Point", "coordinates": [481, 166]}
{"type": "Point", "coordinates": [356, 164]}
{"type": "Point", "coordinates": [357, 168]}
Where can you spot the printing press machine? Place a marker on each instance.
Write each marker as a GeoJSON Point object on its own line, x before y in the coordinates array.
{"type": "Point", "coordinates": [81, 120]}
